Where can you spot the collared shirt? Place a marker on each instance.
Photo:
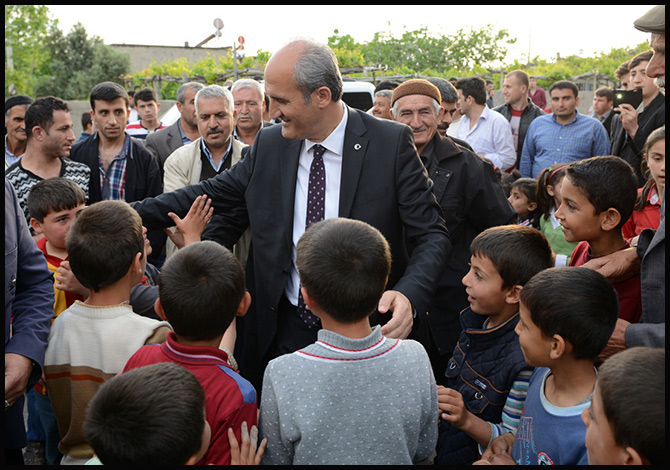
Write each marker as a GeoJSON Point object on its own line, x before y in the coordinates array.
{"type": "Point", "coordinates": [10, 158]}
{"type": "Point", "coordinates": [332, 160]}
{"type": "Point", "coordinates": [491, 136]}
{"type": "Point", "coordinates": [208, 155]}
{"type": "Point", "coordinates": [113, 181]}
{"type": "Point", "coordinates": [236, 136]}
{"type": "Point", "coordinates": [184, 138]}
{"type": "Point", "coordinates": [549, 142]}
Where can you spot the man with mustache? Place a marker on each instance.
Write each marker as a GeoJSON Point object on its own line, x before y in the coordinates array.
{"type": "Point", "coordinates": [214, 152]}
{"type": "Point", "coordinates": [249, 103]}
{"type": "Point", "coordinates": [15, 128]}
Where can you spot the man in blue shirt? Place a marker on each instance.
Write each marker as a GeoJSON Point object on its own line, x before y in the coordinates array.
{"type": "Point", "coordinates": [563, 136]}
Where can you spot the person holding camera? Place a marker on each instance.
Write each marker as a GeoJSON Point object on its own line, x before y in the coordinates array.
{"type": "Point", "coordinates": [630, 131]}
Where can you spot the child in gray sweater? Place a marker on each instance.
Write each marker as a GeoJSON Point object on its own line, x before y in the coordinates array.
{"type": "Point", "coordinates": [354, 396]}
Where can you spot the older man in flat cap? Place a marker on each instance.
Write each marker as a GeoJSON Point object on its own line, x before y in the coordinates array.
{"type": "Point", "coordinates": [654, 22]}
{"type": "Point", "coordinates": [471, 198]}
{"type": "Point", "coordinates": [15, 137]}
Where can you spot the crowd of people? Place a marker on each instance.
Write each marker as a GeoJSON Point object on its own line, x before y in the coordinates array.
{"type": "Point", "coordinates": [277, 278]}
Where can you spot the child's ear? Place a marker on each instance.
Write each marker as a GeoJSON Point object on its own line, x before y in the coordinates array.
{"type": "Point", "coordinates": [513, 295]}
{"type": "Point", "coordinates": [609, 219]}
{"type": "Point", "coordinates": [532, 206]}
{"type": "Point", "coordinates": [244, 305]}
{"type": "Point", "coordinates": [633, 457]}
{"type": "Point", "coordinates": [550, 190]}
{"type": "Point", "coordinates": [558, 347]}
{"type": "Point", "coordinates": [309, 302]}
{"type": "Point", "coordinates": [36, 225]}
{"type": "Point", "coordinates": [158, 308]}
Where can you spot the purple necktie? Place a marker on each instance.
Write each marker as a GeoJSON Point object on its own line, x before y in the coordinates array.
{"type": "Point", "coordinates": [316, 209]}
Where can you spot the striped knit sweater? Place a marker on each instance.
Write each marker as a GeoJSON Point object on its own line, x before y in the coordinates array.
{"type": "Point", "coordinates": [350, 401]}
{"type": "Point", "coordinates": [23, 180]}
{"type": "Point", "coordinates": [88, 346]}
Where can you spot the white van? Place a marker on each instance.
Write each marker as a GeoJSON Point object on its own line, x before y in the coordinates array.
{"type": "Point", "coordinates": [359, 95]}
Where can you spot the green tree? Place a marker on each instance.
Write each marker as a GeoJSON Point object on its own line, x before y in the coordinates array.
{"type": "Point", "coordinates": [78, 63]}
{"type": "Point", "coordinates": [26, 29]}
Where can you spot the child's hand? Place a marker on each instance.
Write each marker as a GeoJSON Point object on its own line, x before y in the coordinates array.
{"type": "Point", "coordinates": [190, 227]}
{"type": "Point", "coordinates": [247, 454]}
{"type": "Point", "coordinates": [501, 445]}
{"type": "Point", "coordinates": [66, 280]}
{"type": "Point", "coordinates": [452, 407]}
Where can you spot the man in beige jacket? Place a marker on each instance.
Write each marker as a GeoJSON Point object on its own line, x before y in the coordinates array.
{"type": "Point", "coordinates": [214, 152]}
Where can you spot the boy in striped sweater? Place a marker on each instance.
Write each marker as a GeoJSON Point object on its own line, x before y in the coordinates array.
{"type": "Point", "coordinates": [354, 396]}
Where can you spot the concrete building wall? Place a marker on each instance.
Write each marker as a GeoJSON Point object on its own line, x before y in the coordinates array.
{"type": "Point", "coordinates": [142, 56]}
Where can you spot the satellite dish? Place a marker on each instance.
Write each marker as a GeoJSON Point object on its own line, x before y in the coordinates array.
{"type": "Point", "coordinates": [218, 24]}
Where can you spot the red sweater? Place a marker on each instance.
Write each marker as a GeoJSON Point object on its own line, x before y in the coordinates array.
{"type": "Point", "coordinates": [630, 299]}
{"type": "Point", "coordinates": [229, 398]}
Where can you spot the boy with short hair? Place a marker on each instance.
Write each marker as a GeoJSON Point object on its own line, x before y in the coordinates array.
{"type": "Point", "coordinates": [354, 396]}
{"type": "Point", "coordinates": [201, 290]}
{"type": "Point", "coordinates": [487, 364]}
{"type": "Point", "coordinates": [598, 197]}
{"type": "Point", "coordinates": [566, 317]}
{"type": "Point", "coordinates": [54, 204]}
{"type": "Point", "coordinates": [625, 424]}
{"type": "Point", "coordinates": [154, 415]}
{"type": "Point", "coordinates": [147, 106]}
{"type": "Point", "coordinates": [91, 341]}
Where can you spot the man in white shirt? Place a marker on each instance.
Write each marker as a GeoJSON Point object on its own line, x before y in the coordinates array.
{"type": "Point", "coordinates": [487, 132]}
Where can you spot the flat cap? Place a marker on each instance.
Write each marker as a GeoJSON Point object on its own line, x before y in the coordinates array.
{"type": "Point", "coordinates": [653, 21]}
{"type": "Point", "coordinates": [416, 86]}
{"type": "Point", "coordinates": [17, 100]}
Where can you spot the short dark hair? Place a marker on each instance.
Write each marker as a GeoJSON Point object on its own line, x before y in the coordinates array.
{"type": "Point", "coordinates": [41, 113]}
{"type": "Point", "coordinates": [473, 86]}
{"type": "Point", "coordinates": [152, 415]}
{"type": "Point", "coordinates": [344, 265]}
{"type": "Point", "coordinates": [447, 90]}
{"type": "Point", "coordinates": [146, 94]}
{"type": "Point", "coordinates": [517, 252]}
{"type": "Point", "coordinates": [53, 195]}
{"type": "Point", "coordinates": [521, 77]}
{"type": "Point", "coordinates": [103, 242]}
{"type": "Point", "coordinates": [622, 70]}
{"type": "Point", "coordinates": [596, 176]}
{"type": "Point", "coordinates": [387, 85]}
{"type": "Point", "coordinates": [200, 288]}
{"type": "Point", "coordinates": [641, 57]}
{"type": "Point", "coordinates": [108, 91]}
{"type": "Point", "coordinates": [577, 303]}
{"type": "Point", "coordinates": [86, 120]}
{"type": "Point", "coordinates": [564, 84]}
{"type": "Point", "coordinates": [607, 92]}
{"type": "Point", "coordinates": [632, 387]}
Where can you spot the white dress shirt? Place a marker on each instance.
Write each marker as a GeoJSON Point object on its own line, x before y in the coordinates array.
{"type": "Point", "coordinates": [491, 136]}
{"type": "Point", "coordinates": [332, 159]}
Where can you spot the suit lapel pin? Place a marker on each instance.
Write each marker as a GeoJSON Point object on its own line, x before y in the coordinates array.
{"type": "Point", "coordinates": [357, 146]}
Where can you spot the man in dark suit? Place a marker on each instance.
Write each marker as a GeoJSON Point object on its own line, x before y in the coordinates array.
{"type": "Point", "coordinates": [372, 173]}
{"type": "Point", "coordinates": [184, 131]}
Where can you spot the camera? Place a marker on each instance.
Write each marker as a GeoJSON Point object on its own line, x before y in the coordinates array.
{"type": "Point", "coordinates": [631, 97]}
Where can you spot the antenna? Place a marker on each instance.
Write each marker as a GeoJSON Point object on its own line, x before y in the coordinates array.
{"type": "Point", "coordinates": [218, 24]}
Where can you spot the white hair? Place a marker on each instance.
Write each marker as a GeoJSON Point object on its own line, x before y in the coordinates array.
{"type": "Point", "coordinates": [215, 91]}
